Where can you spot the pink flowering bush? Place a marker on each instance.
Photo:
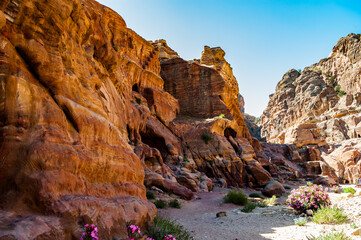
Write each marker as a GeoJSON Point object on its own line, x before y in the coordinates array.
{"type": "Point", "coordinates": [308, 197]}
{"type": "Point", "coordinates": [169, 237]}
{"type": "Point", "coordinates": [132, 230]}
{"type": "Point", "coordinates": [90, 232]}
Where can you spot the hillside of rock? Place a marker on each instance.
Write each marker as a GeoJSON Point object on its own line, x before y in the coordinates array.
{"type": "Point", "coordinates": [320, 106]}
{"type": "Point", "coordinates": [86, 123]}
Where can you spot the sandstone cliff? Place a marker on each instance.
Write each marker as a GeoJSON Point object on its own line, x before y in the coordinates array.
{"type": "Point", "coordinates": [86, 122]}
{"type": "Point", "coordinates": [319, 106]}
{"type": "Point", "coordinates": [70, 76]}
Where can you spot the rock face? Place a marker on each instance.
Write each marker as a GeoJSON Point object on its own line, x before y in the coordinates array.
{"type": "Point", "coordinates": [69, 103]}
{"type": "Point", "coordinates": [221, 147]}
{"type": "Point", "coordinates": [319, 106]}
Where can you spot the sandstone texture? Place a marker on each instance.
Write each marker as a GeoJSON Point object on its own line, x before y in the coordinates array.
{"type": "Point", "coordinates": [71, 72]}
{"type": "Point", "coordinates": [321, 104]}
{"type": "Point", "coordinates": [319, 108]}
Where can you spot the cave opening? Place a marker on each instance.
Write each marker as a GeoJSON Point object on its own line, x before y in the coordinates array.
{"type": "Point", "coordinates": [316, 169]}
{"type": "Point", "coordinates": [267, 168]}
{"type": "Point", "coordinates": [229, 132]}
{"type": "Point", "coordinates": [135, 88]}
{"type": "Point", "coordinates": [155, 142]}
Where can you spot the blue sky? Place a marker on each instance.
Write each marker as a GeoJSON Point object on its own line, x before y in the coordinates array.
{"type": "Point", "coordinates": [262, 39]}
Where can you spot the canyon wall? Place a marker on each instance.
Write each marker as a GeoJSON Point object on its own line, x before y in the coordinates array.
{"type": "Point", "coordinates": [91, 114]}
{"type": "Point", "coordinates": [320, 106]}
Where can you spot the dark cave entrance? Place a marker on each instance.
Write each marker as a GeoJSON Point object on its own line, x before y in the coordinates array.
{"type": "Point", "coordinates": [267, 168]}
{"type": "Point", "coordinates": [155, 142]}
{"type": "Point", "coordinates": [316, 169]}
{"type": "Point", "coordinates": [135, 88]}
{"type": "Point", "coordinates": [229, 132]}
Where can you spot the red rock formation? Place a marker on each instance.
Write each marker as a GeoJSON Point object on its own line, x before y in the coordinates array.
{"type": "Point", "coordinates": [68, 69]}
{"type": "Point", "coordinates": [319, 106]}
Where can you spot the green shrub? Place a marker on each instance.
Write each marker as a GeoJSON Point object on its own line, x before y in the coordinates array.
{"type": "Point", "coordinates": [174, 204]}
{"type": "Point", "coordinates": [353, 225]}
{"type": "Point", "coordinates": [337, 88]}
{"type": "Point", "coordinates": [185, 159]}
{"type": "Point", "coordinates": [301, 221]}
{"type": "Point", "coordinates": [349, 190]}
{"type": "Point", "coordinates": [328, 215]}
{"type": "Point", "coordinates": [287, 187]}
{"type": "Point", "coordinates": [271, 201]}
{"type": "Point", "coordinates": [138, 100]}
{"type": "Point", "coordinates": [236, 197]}
{"type": "Point", "coordinates": [206, 138]}
{"type": "Point", "coordinates": [150, 195]}
{"type": "Point", "coordinates": [222, 116]}
{"type": "Point", "coordinates": [162, 227]}
{"type": "Point", "coordinates": [330, 236]}
{"type": "Point", "coordinates": [308, 197]}
{"type": "Point", "coordinates": [249, 207]}
{"type": "Point", "coordinates": [341, 93]}
{"type": "Point", "coordinates": [255, 195]}
{"type": "Point", "coordinates": [262, 204]}
{"type": "Point", "coordinates": [160, 203]}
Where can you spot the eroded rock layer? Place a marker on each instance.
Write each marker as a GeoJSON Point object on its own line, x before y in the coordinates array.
{"type": "Point", "coordinates": [319, 106]}
{"type": "Point", "coordinates": [68, 69]}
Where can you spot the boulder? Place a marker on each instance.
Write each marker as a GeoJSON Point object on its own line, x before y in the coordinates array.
{"type": "Point", "coordinates": [273, 187]}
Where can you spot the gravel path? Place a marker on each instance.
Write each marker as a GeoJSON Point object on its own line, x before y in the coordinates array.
{"type": "Point", "coordinates": [274, 222]}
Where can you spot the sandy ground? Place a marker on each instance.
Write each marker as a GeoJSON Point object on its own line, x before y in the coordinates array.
{"type": "Point", "coordinates": [274, 222]}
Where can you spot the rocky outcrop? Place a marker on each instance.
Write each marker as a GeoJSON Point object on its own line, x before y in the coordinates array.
{"type": "Point", "coordinates": [345, 159]}
{"type": "Point", "coordinates": [213, 134]}
{"type": "Point", "coordinates": [71, 78]}
{"type": "Point", "coordinates": [319, 105]}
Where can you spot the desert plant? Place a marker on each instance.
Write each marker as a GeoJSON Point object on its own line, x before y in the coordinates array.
{"type": "Point", "coordinates": [90, 232]}
{"type": "Point", "coordinates": [150, 195]}
{"type": "Point", "coordinates": [328, 215]}
{"type": "Point", "coordinates": [349, 190]}
{"type": "Point", "coordinates": [162, 227]}
{"type": "Point", "coordinates": [236, 197]}
{"type": "Point", "coordinates": [330, 236]}
{"type": "Point", "coordinates": [353, 225]}
{"type": "Point", "coordinates": [271, 201]}
{"type": "Point", "coordinates": [308, 197]}
{"type": "Point", "coordinates": [341, 93]}
{"type": "Point", "coordinates": [262, 204]}
{"type": "Point", "coordinates": [249, 207]}
{"type": "Point", "coordinates": [337, 88]}
{"type": "Point", "coordinates": [301, 221]}
{"type": "Point", "coordinates": [133, 231]}
{"type": "Point", "coordinates": [174, 204]}
{"type": "Point", "coordinates": [160, 203]}
{"type": "Point", "coordinates": [138, 100]}
{"type": "Point", "coordinates": [206, 138]}
{"type": "Point", "coordinates": [255, 195]}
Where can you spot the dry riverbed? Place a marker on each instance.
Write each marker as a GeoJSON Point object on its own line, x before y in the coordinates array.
{"type": "Point", "coordinates": [273, 222]}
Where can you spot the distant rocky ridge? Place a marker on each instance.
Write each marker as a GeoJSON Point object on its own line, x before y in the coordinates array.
{"type": "Point", "coordinates": [320, 107]}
